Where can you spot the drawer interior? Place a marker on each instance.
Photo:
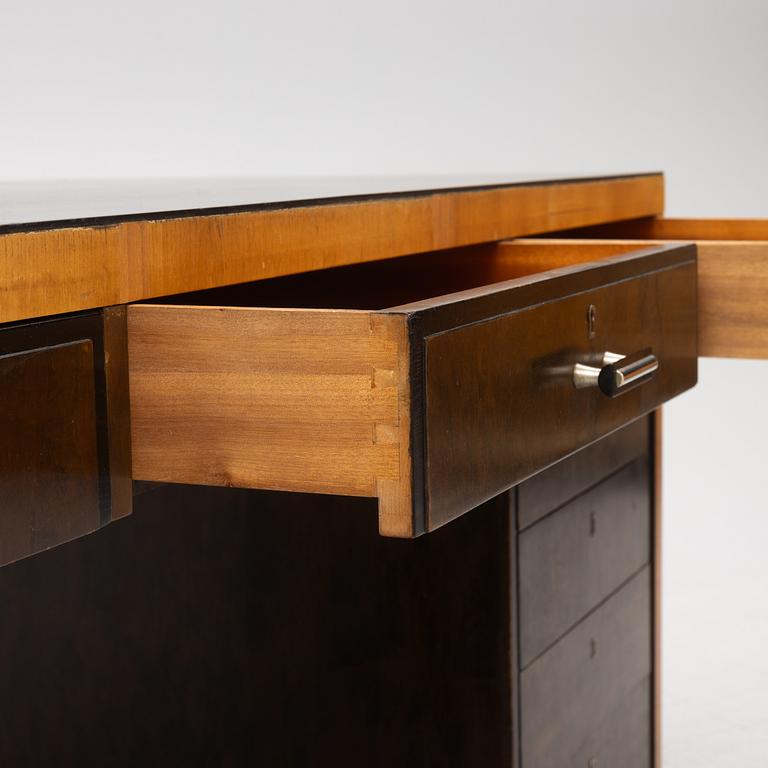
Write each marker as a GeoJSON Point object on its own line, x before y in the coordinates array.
{"type": "Point", "coordinates": [395, 282]}
{"type": "Point", "coordinates": [732, 275]}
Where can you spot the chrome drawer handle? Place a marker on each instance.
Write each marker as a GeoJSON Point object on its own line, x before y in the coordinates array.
{"type": "Point", "coordinates": [618, 374]}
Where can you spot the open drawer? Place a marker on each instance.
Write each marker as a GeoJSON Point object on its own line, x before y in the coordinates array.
{"type": "Point", "coordinates": [733, 275]}
{"type": "Point", "coordinates": [432, 382]}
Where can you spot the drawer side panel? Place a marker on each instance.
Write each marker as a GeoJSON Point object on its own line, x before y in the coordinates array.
{"type": "Point", "coordinates": [277, 399]}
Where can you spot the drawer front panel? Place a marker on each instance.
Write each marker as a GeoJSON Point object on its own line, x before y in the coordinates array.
{"type": "Point", "coordinates": [545, 492]}
{"type": "Point", "coordinates": [572, 560]}
{"type": "Point", "coordinates": [49, 471]}
{"type": "Point", "coordinates": [591, 686]}
{"type": "Point", "coordinates": [65, 456]}
{"type": "Point", "coordinates": [500, 399]}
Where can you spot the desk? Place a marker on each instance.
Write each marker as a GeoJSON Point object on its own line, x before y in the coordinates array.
{"type": "Point", "coordinates": [343, 471]}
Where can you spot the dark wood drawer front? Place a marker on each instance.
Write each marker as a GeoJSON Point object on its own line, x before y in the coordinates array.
{"type": "Point", "coordinates": [49, 480]}
{"type": "Point", "coordinates": [545, 492]}
{"type": "Point", "coordinates": [592, 689]}
{"type": "Point", "coordinates": [500, 400]}
{"type": "Point", "coordinates": [623, 739]}
{"type": "Point", "coordinates": [572, 560]}
{"type": "Point", "coordinates": [65, 456]}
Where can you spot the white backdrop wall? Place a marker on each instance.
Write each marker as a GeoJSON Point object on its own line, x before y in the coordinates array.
{"type": "Point", "coordinates": [171, 88]}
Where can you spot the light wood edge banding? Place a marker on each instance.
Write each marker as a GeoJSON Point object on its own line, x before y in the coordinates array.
{"type": "Point", "coordinates": [63, 270]}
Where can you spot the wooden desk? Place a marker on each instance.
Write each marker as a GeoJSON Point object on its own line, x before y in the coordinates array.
{"type": "Point", "coordinates": [374, 520]}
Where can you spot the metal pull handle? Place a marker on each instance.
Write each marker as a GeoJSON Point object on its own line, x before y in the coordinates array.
{"type": "Point", "coordinates": [619, 373]}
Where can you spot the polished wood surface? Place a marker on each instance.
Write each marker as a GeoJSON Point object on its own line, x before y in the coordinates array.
{"type": "Point", "coordinates": [225, 627]}
{"type": "Point", "coordinates": [688, 229]}
{"type": "Point", "coordinates": [44, 203]}
{"type": "Point", "coordinates": [519, 365]}
{"type": "Point", "coordinates": [576, 557]}
{"type": "Point", "coordinates": [311, 400]}
{"type": "Point", "coordinates": [426, 277]}
{"type": "Point", "coordinates": [65, 455]}
{"type": "Point", "coordinates": [733, 277]}
{"type": "Point", "coordinates": [49, 474]}
{"type": "Point", "coordinates": [62, 269]}
{"type": "Point", "coordinates": [234, 627]}
{"type": "Point", "coordinates": [330, 400]}
{"type": "Point", "coordinates": [545, 492]}
{"type": "Point", "coordinates": [589, 697]}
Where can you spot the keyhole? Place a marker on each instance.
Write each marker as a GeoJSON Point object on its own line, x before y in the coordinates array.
{"type": "Point", "coordinates": [591, 321]}
{"type": "Point", "coordinates": [592, 523]}
{"type": "Point", "coordinates": [592, 648]}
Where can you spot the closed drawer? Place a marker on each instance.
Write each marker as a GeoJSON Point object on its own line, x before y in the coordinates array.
{"type": "Point", "coordinates": [432, 383]}
{"type": "Point", "coordinates": [65, 454]}
{"type": "Point", "coordinates": [573, 559]}
{"type": "Point", "coordinates": [589, 697]}
{"type": "Point", "coordinates": [550, 489]}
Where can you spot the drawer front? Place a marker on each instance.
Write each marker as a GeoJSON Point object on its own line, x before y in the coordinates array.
{"type": "Point", "coordinates": [65, 460]}
{"type": "Point", "coordinates": [589, 697]}
{"type": "Point", "coordinates": [545, 492]}
{"type": "Point", "coordinates": [500, 399]}
{"type": "Point", "coordinates": [573, 559]}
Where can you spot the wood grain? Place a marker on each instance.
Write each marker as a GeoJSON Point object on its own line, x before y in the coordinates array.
{"type": "Point", "coordinates": [575, 558]}
{"type": "Point", "coordinates": [49, 473]}
{"type": "Point", "coordinates": [331, 400]}
{"type": "Point", "coordinates": [545, 492]}
{"type": "Point", "coordinates": [309, 400]}
{"type": "Point", "coordinates": [233, 628]}
{"type": "Point", "coordinates": [65, 454]}
{"type": "Point", "coordinates": [518, 366]}
{"type": "Point", "coordinates": [118, 410]}
{"type": "Point", "coordinates": [733, 277]}
{"type": "Point", "coordinates": [652, 228]}
{"type": "Point", "coordinates": [592, 685]}
{"type": "Point", "coordinates": [62, 270]}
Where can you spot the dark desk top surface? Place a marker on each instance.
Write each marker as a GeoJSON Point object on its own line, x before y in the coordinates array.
{"type": "Point", "coordinates": [26, 204]}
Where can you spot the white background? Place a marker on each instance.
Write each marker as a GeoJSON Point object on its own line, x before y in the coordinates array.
{"type": "Point", "coordinates": [95, 88]}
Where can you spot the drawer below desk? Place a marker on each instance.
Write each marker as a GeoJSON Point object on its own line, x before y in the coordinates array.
{"type": "Point", "coordinates": [350, 381]}
{"type": "Point", "coordinates": [65, 456]}
{"type": "Point", "coordinates": [589, 697]}
{"type": "Point", "coordinates": [574, 559]}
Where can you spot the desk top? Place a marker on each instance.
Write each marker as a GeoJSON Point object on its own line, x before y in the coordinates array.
{"type": "Point", "coordinates": [70, 246]}
{"type": "Point", "coordinates": [31, 205]}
